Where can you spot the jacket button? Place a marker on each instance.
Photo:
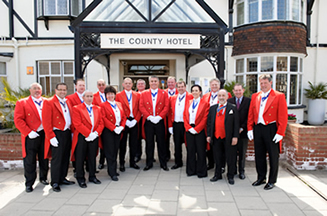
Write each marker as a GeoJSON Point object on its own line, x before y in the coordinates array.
{"type": "Point", "coordinates": [59, 123]}
{"type": "Point", "coordinates": [269, 114]}
{"type": "Point", "coordinates": [147, 102]}
{"type": "Point", "coordinates": [28, 114]}
{"type": "Point", "coordinates": [272, 107]}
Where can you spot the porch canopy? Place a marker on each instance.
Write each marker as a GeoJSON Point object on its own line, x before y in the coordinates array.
{"type": "Point", "coordinates": [149, 17]}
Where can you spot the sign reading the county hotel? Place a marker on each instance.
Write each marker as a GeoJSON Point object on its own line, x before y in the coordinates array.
{"type": "Point", "coordinates": [150, 41]}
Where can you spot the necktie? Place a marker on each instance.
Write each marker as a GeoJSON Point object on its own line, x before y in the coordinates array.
{"type": "Point", "coordinates": [237, 103]}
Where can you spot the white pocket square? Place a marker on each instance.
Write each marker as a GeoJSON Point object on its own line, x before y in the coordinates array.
{"type": "Point", "coordinates": [230, 112]}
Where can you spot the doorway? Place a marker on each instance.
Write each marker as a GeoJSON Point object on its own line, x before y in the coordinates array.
{"type": "Point", "coordinates": [142, 69]}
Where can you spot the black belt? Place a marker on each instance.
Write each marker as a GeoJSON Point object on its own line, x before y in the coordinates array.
{"type": "Point", "coordinates": [193, 125]}
{"type": "Point", "coordinates": [130, 118]}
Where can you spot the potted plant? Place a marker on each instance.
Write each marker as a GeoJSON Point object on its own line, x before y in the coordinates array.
{"type": "Point", "coordinates": [316, 95]}
{"type": "Point", "coordinates": [291, 118]}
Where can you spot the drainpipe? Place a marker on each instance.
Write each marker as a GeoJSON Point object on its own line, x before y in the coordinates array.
{"type": "Point", "coordinates": [16, 61]}
{"type": "Point", "coordinates": [317, 45]}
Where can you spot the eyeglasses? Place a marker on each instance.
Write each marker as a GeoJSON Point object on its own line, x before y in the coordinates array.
{"type": "Point", "coordinates": [61, 89]}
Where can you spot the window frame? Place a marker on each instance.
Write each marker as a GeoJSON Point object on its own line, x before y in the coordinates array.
{"type": "Point", "coordinates": [289, 15]}
{"type": "Point", "coordinates": [62, 74]}
{"type": "Point", "coordinates": [41, 10]}
{"type": "Point", "coordinates": [298, 73]}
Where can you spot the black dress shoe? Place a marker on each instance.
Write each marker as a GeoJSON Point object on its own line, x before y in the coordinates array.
{"type": "Point", "coordinates": [175, 167]}
{"type": "Point", "coordinates": [231, 181]}
{"type": "Point", "coordinates": [241, 176]}
{"type": "Point", "coordinates": [215, 178]}
{"type": "Point", "coordinates": [29, 189]}
{"type": "Point", "coordinates": [114, 178]}
{"type": "Point", "coordinates": [117, 174]}
{"type": "Point", "coordinates": [82, 184]}
{"type": "Point", "coordinates": [45, 182]}
{"type": "Point", "coordinates": [137, 159]}
{"type": "Point", "coordinates": [189, 175]}
{"type": "Point", "coordinates": [122, 168]}
{"type": "Point", "coordinates": [95, 181]}
{"type": "Point", "coordinates": [146, 168]}
{"type": "Point", "coordinates": [209, 167]}
{"type": "Point", "coordinates": [259, 182]}
{"type": "Point", "coordinates": [269, 186]}
{"type": "Point", "coordinates": [56, 188]}
{"type": "Point", "coordinates": [135, 166]}
{"type": "Point", "coordinates": [222, 170]}
{"type": "Point", "coordinates": [67, 182]}
{"type": "Point", "coordinates": [101, 166]}
{"type": "Point", "coordinates": [165, 168]}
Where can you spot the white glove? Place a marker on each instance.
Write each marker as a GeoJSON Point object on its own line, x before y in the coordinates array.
{"type": "Point", "coordinates": [156, 119]}
{"type": "Point", "coordinates": [150, 118]}
{"type": "Point", "coordinates": [128, 123]}
{"type": "Point", "coordinates": [91, 137]}
{"type": "Point", "coordinates": [192, 131]}
{"type": "Point", "coordinates": [170, 130]}
{"type": "Point", "coordinates": [133, 123]}
{"type": "Point", "coordinates": [250, 135]}
{"type": "Point", "coordinates": [33, 135]}
{"type": "Point", "coordinates": [277, 138]}
{"type": "Point", "coordinates": [54, 142]}
{"type": "Point", "coordinates": [119, 129]}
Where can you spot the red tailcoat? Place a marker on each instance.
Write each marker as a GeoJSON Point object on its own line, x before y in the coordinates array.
{"type": "Point", "coordinates": [122, 98]}
{"type": "Point", "coordinates": [83, 124]}
{"type": "Point", "coordinates": [26, 118]}
{"type": "Point", "coordinates": [52, 116]}
{"type": "Point", "coordinates": [161, 108]}
{"type": "Point", "coordinates": [172, 104]}
{"type": "Point", "coordinates": [275, 110]}
{"type": "Point", "coordinates": [109, 117]}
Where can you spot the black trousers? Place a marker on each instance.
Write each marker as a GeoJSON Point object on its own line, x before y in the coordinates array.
{"type": "Point", "coordinates": [157, 130]}
{"type": "Point", "coordinates": [35, 148]}
{"type": "Point", "coordinates": [220, 147]}
{"type": "Point", "coordinates": [179, 133]}
{"type": "Point", "coordinates": [102, 157]}
{"type": "Point", "coordinates": [167, 141]}
{"type": "Point", "coordinates": [132, 141]}
{"type": "Point", "coordinates": [263, 136]}
{"type": "Point", "coordinates": [196, 154]}
{"type": "Point", "coordinates": [60, 156]}
{"type": "Point", "coordinates": [139, 139]}
{"type": "Point", "coordinates": [110, 143]}
{"type": "Point", "coordinates": [83, 150]}
{"type": "Point", "coordinates": [242, 146]}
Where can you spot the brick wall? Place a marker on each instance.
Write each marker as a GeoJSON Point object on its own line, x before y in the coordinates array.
{"type": "Point", "coordinates": [270, 37]}
{"type": "Point", "coordinates": [306, 146]}
{"type": "Point", "coordinates": [10, 146]}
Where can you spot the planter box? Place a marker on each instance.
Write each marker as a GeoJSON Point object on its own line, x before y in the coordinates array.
{"type": "Point", "coordinates": [306, 146]}
{"type": "Point", "coordinates": [10, 146]}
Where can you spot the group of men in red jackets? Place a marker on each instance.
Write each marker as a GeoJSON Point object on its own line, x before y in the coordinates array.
{"type": "Point", "coordinates": [63, 127]}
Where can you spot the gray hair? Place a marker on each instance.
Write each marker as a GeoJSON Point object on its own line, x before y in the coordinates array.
{"type": "Point", "coordinates": [87, 91]}
{"type": "Point", "coordinates": [140, 80]}
{"type": "Point", "coordinates": [215, 79]}
{"type": "Point", "coordinates": [224, 91]}
{"type": "Point", "coordinates": [265, 76]}
{"type": "Point", "coordinates": [35, 83]}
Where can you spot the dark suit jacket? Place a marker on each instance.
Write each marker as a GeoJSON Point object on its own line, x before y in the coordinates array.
{"type": "Point", "coordinates": [231, 122]}
{"type": "Point", "coordinates": [243, 112]}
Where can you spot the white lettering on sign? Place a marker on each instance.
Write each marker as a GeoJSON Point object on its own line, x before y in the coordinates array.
{"type": "Point", "coordinates": [150, 41]}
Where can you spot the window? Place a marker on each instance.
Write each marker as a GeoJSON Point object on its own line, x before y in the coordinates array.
{"type": "Point", "coordinates": [250, 11]}
{"type": "Point", "coordinates": [59, 7]}
{"type": "Point", "coordinates": [52, 72]}
{"type": "Point", "coordinates": [286, 72]}
{"type": "Point", "coordinates": [3, 73]}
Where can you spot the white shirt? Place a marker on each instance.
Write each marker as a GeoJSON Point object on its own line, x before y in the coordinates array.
{"type": "Point", "coordinates": [179, 107]}
{"type": "Point", "coordinates": [262, 108]}
{"type": "Point", "coordinates": [194, 111]}
{"type": "Point", "coordinates": [66, 113]}
{"type": "Point", "coordinates": [90, 108]}
{"type": "Point", "coordinates": [213, 98]}
{"type": "Point", "coordinates": [129, 95]}
{"type": "Point", "coordinates": [102, 97]}
{"type": "Point", "coordinates": [154, 100]}
{"type": "Point", "coordinates": [80, 97]}
{"type": "Point", "coordinates": [116, 111]}
{"type": "Point", "coordinates": [171, 92]}
{"type": "Point", "coordinates": [39, 109]}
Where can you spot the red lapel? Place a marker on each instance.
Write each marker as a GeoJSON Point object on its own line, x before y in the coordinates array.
{"type": "Point", "coordinates": [58, 106]}
{"type": "Point", "coordinates": [86, 114]}
{"type": "Point", "coordinates": [270, 99]}
{"type": "Point", "coordinates": [33, 105]}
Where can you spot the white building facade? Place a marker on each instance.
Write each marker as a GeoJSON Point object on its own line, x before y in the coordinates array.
{"type": "Point", "coordinates": [286, 38]}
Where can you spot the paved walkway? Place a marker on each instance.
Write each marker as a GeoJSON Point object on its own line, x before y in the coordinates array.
{"type": "Point", "coordinates": [157, 192]}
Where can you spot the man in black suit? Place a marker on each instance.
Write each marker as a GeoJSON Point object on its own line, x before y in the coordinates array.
{"type": "Point", "coordinates": [242, 104]}
{"type": "Point", "coordinates": [223, 130]}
